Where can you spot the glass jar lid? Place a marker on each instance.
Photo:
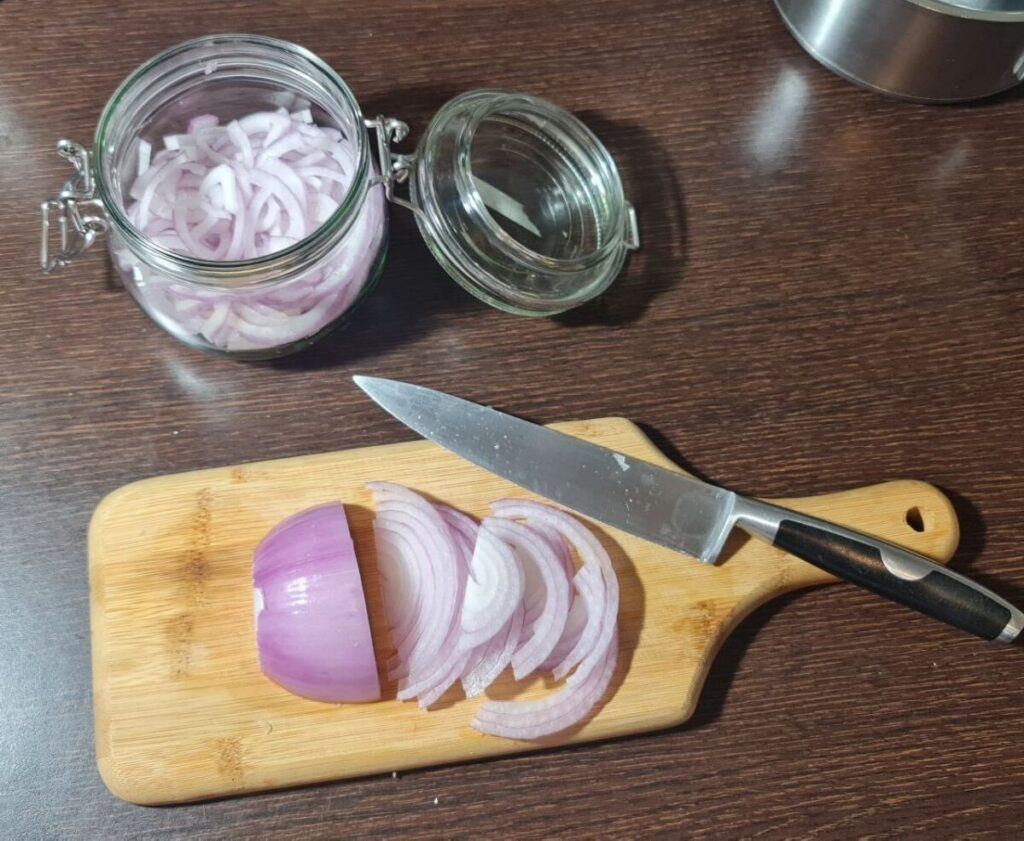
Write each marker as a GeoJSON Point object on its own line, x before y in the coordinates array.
{"type": "Point", "coordinates": [516, 198]}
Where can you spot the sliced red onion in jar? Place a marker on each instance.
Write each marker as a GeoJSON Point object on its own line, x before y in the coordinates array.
{"type": "Point", "coordinates": [242, 191]}
{"type": "Point", "coordinates": [312, 629]}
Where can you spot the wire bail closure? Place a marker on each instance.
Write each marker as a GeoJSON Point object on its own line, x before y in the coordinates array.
{"type": "Point", "coordinates": [394, 168]}
{"type": "Point", "coordinates": [80, 216]}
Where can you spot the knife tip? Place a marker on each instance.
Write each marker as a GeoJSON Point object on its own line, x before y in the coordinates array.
{"type": "Point", "coordinates": [376, 387]}
{"type": "Point", "coordinates": [366, 383]}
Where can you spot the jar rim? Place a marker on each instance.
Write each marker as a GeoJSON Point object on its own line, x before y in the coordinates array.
{"type": "Point", "coordinates": [234, 272]}
{"type": "Point", "coordinates": [497, 102]}
{"type": "Point", "coordinates": [458, 226]}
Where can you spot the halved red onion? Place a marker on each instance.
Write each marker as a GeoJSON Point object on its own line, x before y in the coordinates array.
{"type": "Point", "coordinates": [312, 630]}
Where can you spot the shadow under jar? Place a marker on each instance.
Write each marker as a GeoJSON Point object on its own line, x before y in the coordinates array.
{"type": "Point", "coordinates": [516, 198]}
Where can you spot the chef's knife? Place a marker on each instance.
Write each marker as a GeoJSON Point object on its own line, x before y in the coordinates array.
{"type": "Point", "coordinates": [685, 514]}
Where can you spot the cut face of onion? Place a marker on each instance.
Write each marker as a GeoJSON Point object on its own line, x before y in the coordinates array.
{"type": "Point", "coordinates": [312, 630]}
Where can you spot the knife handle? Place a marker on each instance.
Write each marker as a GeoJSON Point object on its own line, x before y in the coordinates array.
{"type": "Point", "coordinates": [890, 571]}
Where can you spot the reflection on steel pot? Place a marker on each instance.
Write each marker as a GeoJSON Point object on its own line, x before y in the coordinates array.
{"type": "Point", "coordinates": [924, 50]}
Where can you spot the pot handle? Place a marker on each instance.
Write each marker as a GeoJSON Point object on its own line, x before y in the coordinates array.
{"type": "Point", "coordinates": [79, 215]}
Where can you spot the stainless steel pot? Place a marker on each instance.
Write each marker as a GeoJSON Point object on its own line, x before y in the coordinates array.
{"type": "Point", "coordinates": [924, 50]}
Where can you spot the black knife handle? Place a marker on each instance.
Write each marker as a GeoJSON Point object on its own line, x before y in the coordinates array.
{"type": "Point", "coordinates": [890, 571]}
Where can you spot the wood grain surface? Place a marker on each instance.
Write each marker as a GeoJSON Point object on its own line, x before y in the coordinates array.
{"type": "Point", "coordinates": [829, 294]}
{"type": "Point", "coordinates": [183, 713]}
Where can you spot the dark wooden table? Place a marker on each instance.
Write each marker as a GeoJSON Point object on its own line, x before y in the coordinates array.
{"type": "Point", "coordinates": [829, 295]}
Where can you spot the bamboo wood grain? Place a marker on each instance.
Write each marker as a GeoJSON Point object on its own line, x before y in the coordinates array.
{"type": "Point", "coordinates": [183, 713]}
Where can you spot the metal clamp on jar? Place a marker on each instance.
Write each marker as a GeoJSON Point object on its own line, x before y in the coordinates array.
{"type": "Point", "coordinates": [516, 198]}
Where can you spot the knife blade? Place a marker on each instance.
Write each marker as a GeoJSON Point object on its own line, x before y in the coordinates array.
{"type": "Point", "coordinates": [683, 513]}
{"type": "Point", "coordinates": [659, 505]}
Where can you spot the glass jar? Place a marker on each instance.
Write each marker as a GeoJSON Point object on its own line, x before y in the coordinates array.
{"type": "Point", "coordinates": [259, 307]}
{"type": "Point", "coordinates": [516, 198]}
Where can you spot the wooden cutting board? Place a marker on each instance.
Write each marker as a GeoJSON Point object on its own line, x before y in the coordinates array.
{"type": "Point", "coordinates": [183, 712]}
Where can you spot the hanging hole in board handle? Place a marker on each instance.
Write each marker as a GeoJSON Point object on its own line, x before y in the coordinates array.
{"type": "Point", "coordinates": [915, 519]}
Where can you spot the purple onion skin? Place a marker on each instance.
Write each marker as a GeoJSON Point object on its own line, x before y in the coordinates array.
{"type": "Point", "coordinates": [312, 628]}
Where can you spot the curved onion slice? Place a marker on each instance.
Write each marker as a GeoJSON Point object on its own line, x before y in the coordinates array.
{"type": "Point", "coordinates": [452, 659]}
{"type": "Point", "coordinates": [399, 558]}
{"type": "Point", "coordinates": [601, 622]}
{"type": "Point", "coordinates": [312, 631]}
{"type": "Point", "coordinates": [539, 555]}
{"type": "Point", "coordinates": [559, 544]}
{"type": "Point", "coordinates": [512, 603]}
{"type": "Point", "coordinates": [429, 543]}
{"type": "Point", "coordinates": [558, 711]}
{"type": "Point", "coordinates": [595, 652]}
{"type": "Point", "coordinates": [493, 591]}
{"type": "Point", "coordinates": [493, 656]}
{"type": "Point", "coordinates": [574, 624]}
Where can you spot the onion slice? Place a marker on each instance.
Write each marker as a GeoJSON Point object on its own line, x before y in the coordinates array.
{"type": "Point", "coordinates": [452, 659]}
{"type": "Point", "coordinates": [559, 711]}
{"type": "Point", "coordinates": [465, 602]}
{"type": "Point", "coordinates": [312, 630]}
{"type": "Point", "coordinates": [601, 621]}
{"type": "Point", "coordinates": [421, 543]}
{"type": "Point", "coordinates": [536, 552]}
{"type": "Point", "coordinates": [493, 656]}
{"type": "Point", "coordinates": [493, 591]}
{"type": "Point", "coordinates": [594, 654]}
